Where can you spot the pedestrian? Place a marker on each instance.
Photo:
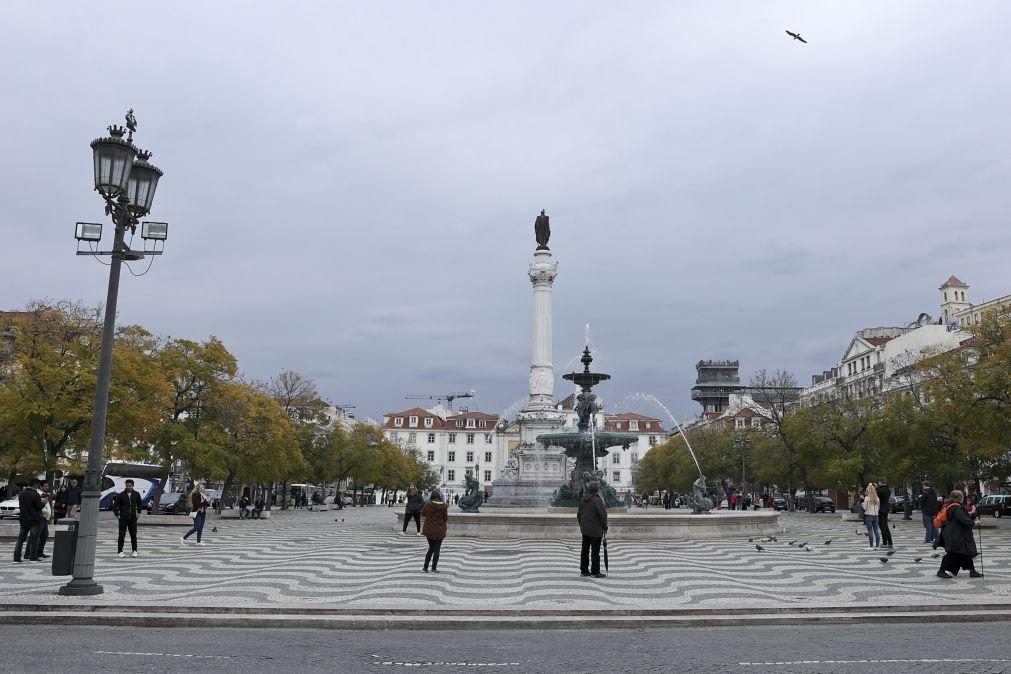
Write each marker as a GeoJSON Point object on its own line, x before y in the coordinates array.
{"type": "Point", "coordinates": [126, 506]}
{"type": "Point", "coordinates": [928, 510]}
{"type": "Point", "coordinates": [435, 512]}
{"type": "Point", "coordinates": [258, 507]}
{"type": "Point", "coordinates": [884, 510]}
{"type": "Point", "coordinates": [871, 507]}
{"type": "Point", "coordinates": [47, 515]}
{"type": "Point", "coordinates": [244, 507]}
{"type": "Point", "coordinates": [198, 511]}
{"type": "Point", "coordinates": [73, 499]}
{"type": "Point", "coordinates": [592, 518]}
{"type": "Point", "coordinates": [957, 539]}
{"type": "Point", "coordinates": [413, 509]}
{"type": "Point", "coordinates": [30, 519]}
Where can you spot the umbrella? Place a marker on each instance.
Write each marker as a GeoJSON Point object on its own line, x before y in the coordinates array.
{"type": "Point", "coordinates": [606, 568]}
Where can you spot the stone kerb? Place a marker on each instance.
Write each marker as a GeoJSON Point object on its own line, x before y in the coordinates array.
{"type": "Point", "coordinates": [677, 527]}
{"type": "Point", "coordinates": [233, 514]}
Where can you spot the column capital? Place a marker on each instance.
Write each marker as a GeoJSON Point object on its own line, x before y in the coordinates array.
{"type": "Point", "coordinates": [542, 271]}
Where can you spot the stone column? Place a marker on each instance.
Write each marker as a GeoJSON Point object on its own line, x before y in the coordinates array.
{"type": "Point", "coordinates": [542, 373]}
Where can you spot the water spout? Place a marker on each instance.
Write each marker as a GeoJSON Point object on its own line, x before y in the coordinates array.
{"type": "Point", "coordinates": [647, 397]}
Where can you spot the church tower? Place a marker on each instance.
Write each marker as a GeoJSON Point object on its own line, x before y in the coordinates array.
{"type": "Point", "coordinates": [954, 299]}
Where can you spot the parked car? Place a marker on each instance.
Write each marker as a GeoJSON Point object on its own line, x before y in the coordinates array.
{"type": "Point", "coordinates": [10, 508]}
{"type": "Point", "coordinates": [823, 504]}
{"type": "Point", "coordinates": [179, 506]}
{"type": "Point", "coordinates": [778, 503]}
{"type": "Point", "coordinates": [997, 505]}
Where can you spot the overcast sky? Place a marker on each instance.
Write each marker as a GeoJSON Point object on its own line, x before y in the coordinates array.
{"type": "Point", "coordinates": [351, 187]}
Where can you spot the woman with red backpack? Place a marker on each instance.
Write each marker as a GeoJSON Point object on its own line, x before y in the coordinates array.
{"type": "Point", "coordinates": [956, 537]}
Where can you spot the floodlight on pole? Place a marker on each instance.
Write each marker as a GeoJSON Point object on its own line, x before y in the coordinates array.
{"type": "Point", "coordinates": [88, 231]}
{"type": "Point", "coordinates": [154, 231]}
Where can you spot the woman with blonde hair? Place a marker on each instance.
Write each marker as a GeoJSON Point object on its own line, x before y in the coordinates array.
{"type": "Point", "coordinates": [872, 506]}
{"type": "Point", "coordinates": [198, 511]}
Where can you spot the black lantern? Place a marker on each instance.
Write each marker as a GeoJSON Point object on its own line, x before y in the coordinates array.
{"type": "Point", "coordinates": [141, 185]}
{"type": "Point", "coordinates": [113, 160]}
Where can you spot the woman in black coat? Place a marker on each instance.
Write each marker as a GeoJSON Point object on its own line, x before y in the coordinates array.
{"type": "Point", "coordinates": [412, 510]}
{"type": "Point", "coordinates": [957, 539]}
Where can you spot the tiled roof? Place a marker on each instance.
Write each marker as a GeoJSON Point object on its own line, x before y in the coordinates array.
{"type": "Point", "coordinates": [877, 341]}
{"type": "Point", "coordinates": [953, 281]}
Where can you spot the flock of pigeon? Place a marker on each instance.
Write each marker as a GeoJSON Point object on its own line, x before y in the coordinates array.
{"type": "Point", "coordinates": [805, 546]}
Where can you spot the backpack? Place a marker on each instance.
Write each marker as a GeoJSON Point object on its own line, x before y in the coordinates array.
{"type": "Point", "coordinates": [942, 517]}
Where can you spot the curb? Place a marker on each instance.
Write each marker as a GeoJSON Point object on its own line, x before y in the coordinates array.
{"type": "Point", "coordinates": [387, 619]}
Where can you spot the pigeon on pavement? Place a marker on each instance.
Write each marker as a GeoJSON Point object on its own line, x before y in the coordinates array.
{"type": "Point", "coordinates": [828, 542]}
{"type": "Point", "coordinates": [759, 547]}
{"type": "Point", "coordinates": [890, 553]}
{"type": "Point", "coordinates": [917, 560]}
{"type": "Point", "coordinates": [883, 560]}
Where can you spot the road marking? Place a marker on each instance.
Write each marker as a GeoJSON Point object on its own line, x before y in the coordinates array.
{"type": "Point", "coordinates": [869, 661]}
{"type": "Point", "coordinates": [390, 663]}
{"type": "Point", "coordinates": [169, 655]}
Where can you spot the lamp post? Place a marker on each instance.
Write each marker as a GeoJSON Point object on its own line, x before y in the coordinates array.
{"type": "Point", "coordinates": [743, 446]}
{"type": "Point", "coordinates": [127, 183]}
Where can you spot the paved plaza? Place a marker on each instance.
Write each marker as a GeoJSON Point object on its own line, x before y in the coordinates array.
{"type": "Point", "coordinates": [305, 558]}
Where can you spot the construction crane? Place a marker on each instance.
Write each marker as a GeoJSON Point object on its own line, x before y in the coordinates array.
{"type": "Point", "coordinates": [449, 397]}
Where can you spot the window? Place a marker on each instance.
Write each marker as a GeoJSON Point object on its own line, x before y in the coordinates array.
{"type": "Point", "coordinates": [452, 438]}
{"type": "Point", "coordinates": [633, 425]}
{"type": "Point", "coordinates": [471, 423]}
{"type": "Point", "coordinates": [470, 457]}
{"type": "Point", "coordinates": [470, 438]}
{"type": "Point", "coordinates": [431, 438]}
{"type": "Point", "coordinates": [429, 421]}
{"type": "Point", "coordinates": [459, 423]}
{"type": "Point", "coordinates": [398, 421]}
{"type": "Point", "coordinates": [616, 476]}
{"type": "Point", "coordinates": [412, 422]}
{"type": "Point", "coordinates": [483, 424]}
{"type": "Point", "coordinates": [431, 456]}
{"type": "Point", "coordinates": [487, 457]}
{"type": "Point", "coordinates": [652, 440]}
{"type": "Point", "coordinates": [635, 457]}
{"type": "Point", "coordinates": [451, 476]}
{"type": "Point", "coordinates": [452, 457]}
{"type": "Point", "coordinates": [616, 458]}
{"type": "Point", "coordinates": [487, 438]}
{"type": "Point", "coordinates": [487, 476]}
{"type": "Point", "coordinates": [412, 437]}
{"type": "Point", "coordinates": [756, 422]}
{"type": "Point", "coordinates": [739, 423]}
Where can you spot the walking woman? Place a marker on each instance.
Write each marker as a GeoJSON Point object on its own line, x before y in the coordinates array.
{"type": "Point", "coordinates": [198, 510]}
{"type": "Point", "coordinates": [872, 506]}
{"type": "Point", "coordinates": [435, 512]}
{"type": "Point", "coordinates": [413, 509]}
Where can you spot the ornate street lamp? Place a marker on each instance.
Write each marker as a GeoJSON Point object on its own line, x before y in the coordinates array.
{"type": "Point", "coordinates": [127, 182]}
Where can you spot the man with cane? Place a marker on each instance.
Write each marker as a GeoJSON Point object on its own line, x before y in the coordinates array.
{"type": "Point", "coordinates": [592, 518]}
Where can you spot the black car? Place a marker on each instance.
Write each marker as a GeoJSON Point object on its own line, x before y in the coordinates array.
{"type": "Point", "coordinates": [998, 505]}
{"type": "Point", "coordinates": [823, 504]}
{"type": "Point", "coordinates": [778, 503]}
{"type": "Point", "coordinates": [180, 506]}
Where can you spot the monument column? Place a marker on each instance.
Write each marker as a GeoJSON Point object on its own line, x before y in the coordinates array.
{"type": "Point", "coordinates": [542, 372]}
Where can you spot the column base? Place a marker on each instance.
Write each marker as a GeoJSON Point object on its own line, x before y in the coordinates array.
{"type": "Point", "coordinates": [81, 587]}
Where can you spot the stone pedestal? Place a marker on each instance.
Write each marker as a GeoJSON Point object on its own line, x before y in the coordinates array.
{"type": "Point", "coordinates": [529, 478]}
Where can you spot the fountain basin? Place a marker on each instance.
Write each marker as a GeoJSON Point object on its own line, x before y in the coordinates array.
{"type": "Point", "coordinates": [572, 442]}
{"type": "Point", "coordinates": [662, 525]}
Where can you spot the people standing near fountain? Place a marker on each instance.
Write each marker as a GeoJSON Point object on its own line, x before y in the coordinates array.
{"type": "Point", "coordinates": [592, 518]}
{"type": "Point", "coordinates": [872, 506]}
{"type": "Point", "coordinates": [884, 509]}
{"type": "Point", "coordinates": [412, 510]}
{"type": "Point", "coordinates": [435, 512]}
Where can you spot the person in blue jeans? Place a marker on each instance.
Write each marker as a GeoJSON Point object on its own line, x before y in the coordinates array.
{"type": "Point", "coordinates": [872, 506]}
{"type": "Point", "coordinates": [198, 508]}
{"type": "Point", "coordinates": [929, 507]}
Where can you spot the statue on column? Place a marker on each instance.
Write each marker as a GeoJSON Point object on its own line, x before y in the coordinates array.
{"type": "Point", "coordinates": [542, 230]}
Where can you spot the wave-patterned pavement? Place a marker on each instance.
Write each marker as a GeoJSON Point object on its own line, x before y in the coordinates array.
{"type": "Point", "coordinates": [361, 561]}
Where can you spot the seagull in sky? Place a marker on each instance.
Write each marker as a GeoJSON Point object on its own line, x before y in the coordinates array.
{"type": "Point", "coordinates": [796, 36]}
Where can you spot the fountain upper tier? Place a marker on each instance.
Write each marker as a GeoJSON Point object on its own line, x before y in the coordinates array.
{"type": "Point", "coordinates": [575, 442]}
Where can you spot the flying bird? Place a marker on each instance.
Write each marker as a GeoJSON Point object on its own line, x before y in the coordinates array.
{"type": "Point", "coordinates": [759, 547]}
{"type": "Point", "coordinates": [796, 36]}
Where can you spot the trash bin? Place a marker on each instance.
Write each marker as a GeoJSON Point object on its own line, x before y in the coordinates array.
{"type": "Point", "coordinates": [64, 547]}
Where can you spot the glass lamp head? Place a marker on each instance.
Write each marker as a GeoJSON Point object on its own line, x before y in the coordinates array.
{"type": "Point", "coordinates": [141, 185]}
{"type": "Point", "coordinates": [113, 157]}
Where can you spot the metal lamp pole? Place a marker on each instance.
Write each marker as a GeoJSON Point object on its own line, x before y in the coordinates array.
{"type": "Point", "coordinates": [127, 183]}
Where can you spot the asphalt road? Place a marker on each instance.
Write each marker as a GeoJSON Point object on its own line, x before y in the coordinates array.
{"type": "Point", "coordinates": [876, 648]}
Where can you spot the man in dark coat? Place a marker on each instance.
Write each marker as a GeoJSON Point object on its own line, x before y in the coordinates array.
{"type": "Point", "coordinates": [126, 506]}
{"type": "Point", "coordinates": [928, 510]}
{"type": "Point", "coordinates": [73, 499]}
{"type": "Point", "coordinates": [884, 510]}
{"type": "Point", "coordinates": [30, 518]}
{"type": "Point", "coordinates": [958, 541]}
{"type": "Point", "coordinates": [592, 518]}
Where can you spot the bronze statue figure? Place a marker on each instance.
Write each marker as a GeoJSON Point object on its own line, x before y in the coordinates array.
{"type": "Point", "coordinates": [542, 230]}
{"type": "Point", "coordinates": [472, 501]}
{"type": "Point", "coordinates": [131, 123]}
